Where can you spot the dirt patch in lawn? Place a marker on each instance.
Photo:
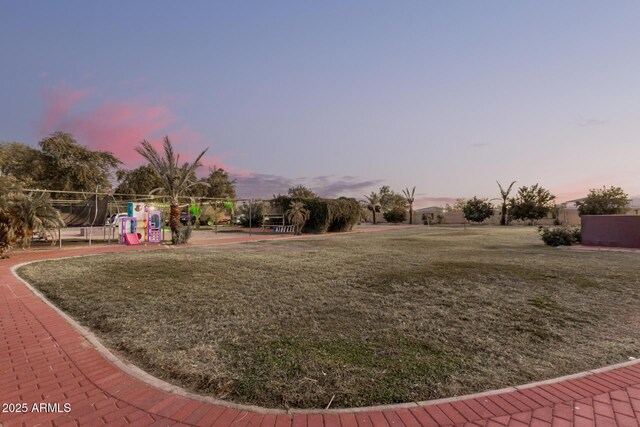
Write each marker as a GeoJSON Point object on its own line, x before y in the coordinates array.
{"type": "Point", "coordinates": [364, 319]}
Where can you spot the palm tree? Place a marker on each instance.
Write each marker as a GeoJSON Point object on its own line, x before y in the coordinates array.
{"type": "Point", "coordinates": [9, 190]}
{"type": "Point", "coordinates": [6, 234]}
{"type": "Point", "coordinates": [297, 215]}
{"type": "Point", "coordinates": [176, 178]}
{"type": "Point", "coordinates": [33, 213]}
{"type": "Point", "coordinates": [505, 196]}
{"type": "Point", "coordinates": [409, 195]}
{"type": "Point", "coordinates": [374, 203]}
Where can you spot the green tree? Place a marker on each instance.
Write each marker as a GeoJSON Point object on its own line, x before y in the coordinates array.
{"type": "Point", "coordinates": [410, 197]}
{"type": "Point", "coordinates": [60, 164]}
{"type": "Point", "coordinates": [373, 201]}
{"type": "Point", "coordinates": [302, 192]}
{"type": "Point", "coordinates": [220, 185]}
{"type": "Point", "coordinates": [177, 179]}
{"type": "Point", "coordinates": [22, 162]}
{"type": "Point", "coordinates": [386, 196]}
{"type": "Point", "coordinates": [531, 203]}
{"type": "Point", "coordinates": [504, 194]}
{"type": "Point", "coordinates": [297, 215]}
{"type": "Point", "coordinates": [457, 206]}
{"type": "Point", "coordinates": [9, 187]}
{"type": "Point", "coordinates": [389, 199]}
{"type": "Point", "coordinates": [604, 201]}
{"type": "Point", "coordinates": [477, 210]}
{"type": "Point", "coordinates": [68, 166]}
{"type": "Point", "coordinates": [141, 180]}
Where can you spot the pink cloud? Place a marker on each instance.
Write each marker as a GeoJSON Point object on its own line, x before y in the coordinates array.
{"type": "Point", "coordinates": [119, 126]}
{"type": "Point", "coordinates": [58, 102]}
{"type": "Point", "coordinates": [219, 160]}
{"type": "Point", "coordinates": [188, 135]}
{"type": "Point", "coordinates": [580, 188]}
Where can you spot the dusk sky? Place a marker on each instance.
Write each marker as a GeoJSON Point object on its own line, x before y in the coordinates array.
{"type": "Point", "coordinates": [343, 96]}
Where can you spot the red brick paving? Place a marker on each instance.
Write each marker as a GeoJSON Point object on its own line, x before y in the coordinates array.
{"type": "Point", "coordinates": [44, 359]}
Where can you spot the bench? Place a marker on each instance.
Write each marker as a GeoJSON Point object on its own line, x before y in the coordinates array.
{"type": "Point", "coordinates": [282, 228]}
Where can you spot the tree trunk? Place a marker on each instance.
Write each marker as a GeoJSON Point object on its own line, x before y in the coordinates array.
{"type": "Point", "coordinates": [26, 239]}
{"type": "Point", "coordinates": [410, 214]}
{"type": "Point", "coordinates": [374, 215]}
{"type": "Point", "coordinates": [503, 218]}
{"type": "Point", "coordinates": [174, 221]}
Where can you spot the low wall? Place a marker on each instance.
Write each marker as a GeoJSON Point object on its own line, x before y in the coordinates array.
{"type": "Point", "coordinates": [621, 231]}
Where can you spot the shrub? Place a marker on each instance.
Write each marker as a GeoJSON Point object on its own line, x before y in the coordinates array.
{"type": "Point", "coordinates": [396, 214]}
{"type": "Point", "coordinates": [184, 234]}
{"type": "Point", "coordinates": [325, 214]}
{"type": "Point", "coordinates": [432, 218]}
{"type": "Point", "coordinates": [344, 213]}
{"type": "Point", "coordinates": [560, 236]}
{"type": "Point", "coordinates": [319, 215]}
{"type": "Point", "coordinates": [427, 218]}
{"type": "Point", "coordinates": [255, 212]}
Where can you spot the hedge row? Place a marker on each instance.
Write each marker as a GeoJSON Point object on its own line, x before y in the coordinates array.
{"type": "Point", "coordinates": [325, 214]}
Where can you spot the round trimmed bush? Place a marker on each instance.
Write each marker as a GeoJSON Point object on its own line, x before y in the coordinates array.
{"type": "Point", "coordinates": [395, 215]}
{"type": "Point", "coordinates": [560, 236]}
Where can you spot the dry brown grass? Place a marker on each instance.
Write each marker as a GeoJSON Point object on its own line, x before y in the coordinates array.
{"type": "Point", "coordinates": [370, 319]}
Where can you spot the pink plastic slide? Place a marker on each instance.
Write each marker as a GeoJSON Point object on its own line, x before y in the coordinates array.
{"type": "Point", "coordinates": [131, 239]}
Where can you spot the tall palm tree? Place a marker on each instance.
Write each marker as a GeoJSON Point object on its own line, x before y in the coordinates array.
{"type": "Point", "coordinates": [374, 203]}
{"type": "Point", "coordinates": [505, 196]}
{"type": "Point", "coordinates": [176, 178]}
{"type": "Point", "coordinates": [33, 213]}
{"type": "Point", "coordinates": [409, 195]}
{"type": "Point", "coordinates": [297, 215]}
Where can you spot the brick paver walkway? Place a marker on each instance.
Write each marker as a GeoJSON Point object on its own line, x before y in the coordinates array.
{"type": "Point", "coordinates": [44, 359]}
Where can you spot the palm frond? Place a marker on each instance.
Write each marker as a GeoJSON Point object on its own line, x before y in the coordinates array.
{"type": "Point", "coordinates": [33, 213]}
{"type": "Point", "coordinates": [505, 193]}
{"type": "Point", "coordinates": [409, 195]}
{"type": "Point", "coordinates": [176, 178]}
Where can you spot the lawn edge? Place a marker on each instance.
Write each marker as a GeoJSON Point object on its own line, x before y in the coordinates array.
{"type": "Point", "coordinates": [125, 366]}
{"type": "Point", "coordinates": [162, 385]}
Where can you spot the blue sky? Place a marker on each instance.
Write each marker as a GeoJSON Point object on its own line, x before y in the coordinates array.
{"type": "Point", "coordinates": [341, 96]}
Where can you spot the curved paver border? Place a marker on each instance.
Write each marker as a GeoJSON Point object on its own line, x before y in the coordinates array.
{"type": "Point", "coordinates": [124, 365]}
{"type": "Point", "coordinates": [480, 407]}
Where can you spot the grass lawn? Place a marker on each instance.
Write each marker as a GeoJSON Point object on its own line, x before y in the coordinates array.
{"type": "Point", "coordinates": [377, 318]}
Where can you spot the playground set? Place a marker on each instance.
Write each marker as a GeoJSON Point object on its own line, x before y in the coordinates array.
{"type": "Point", "coordinates": [143, 224]}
